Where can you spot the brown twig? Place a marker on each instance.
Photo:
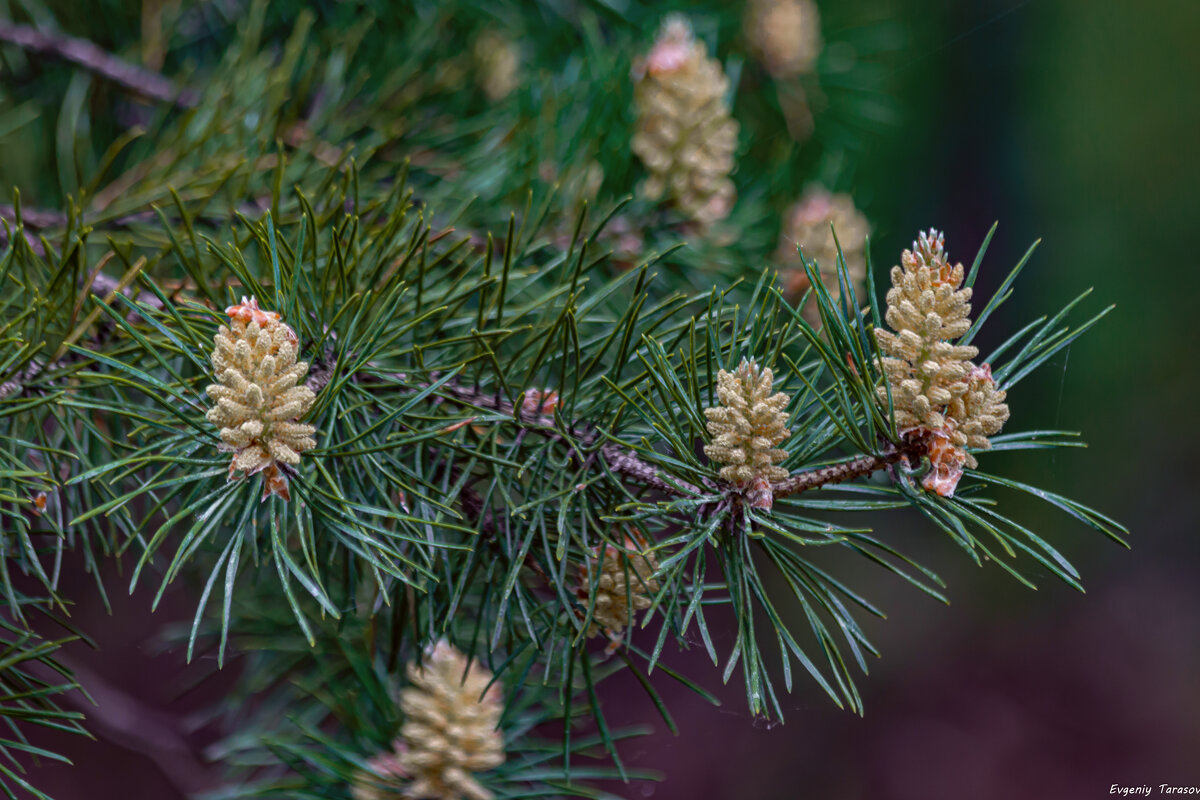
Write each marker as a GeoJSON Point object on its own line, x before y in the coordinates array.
{"type": "Point", "coordinates": [619, 460]}
{"type": "Point", "coordinates": [911, 448]}
{"type": "Point", "coordinates": [626, 463]}
{"type": "Point", "coordinates": [34, 217]}
{"type": "Point", "coordinates": [17, 382]}
{"type": "Point", "coordinates": [83, 53]}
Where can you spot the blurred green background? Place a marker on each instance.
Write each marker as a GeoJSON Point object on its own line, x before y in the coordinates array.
{"type": "Point", "coordinates": [1074, 121]}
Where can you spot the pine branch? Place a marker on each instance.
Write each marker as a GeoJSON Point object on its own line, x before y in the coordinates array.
{"type": "Point", "coordinates": [37, 218]}
{"type": "Point", "coordinates": [914, 444]}
{"type": "Point", "coordinates": [618, 459]}
{"type": "Point", "coordinates": [42, 218]}
{"type": "Point", "coordinates": [17, 383]}
{"type": "Point", "coordinates": [626, 463]}
{"type": "Point", "coordinates": [87, 55]}
{"type": "Point", "coordinates": [444, 488]}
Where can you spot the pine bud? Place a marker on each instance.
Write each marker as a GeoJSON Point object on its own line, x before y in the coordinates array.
{"type": "Point", "coordinates": [934, 384]}
{"type": "Point", "coordinates": [685, 135]}
{"type": "Point", "coordinates": [623, 585]}
{"type": "Point", "coordinates": [785, 35]}
{"type": "Point", "coordinates": [540, 402]}
{"type": "Point", "coordinates": [451, 715]}
{"type": "Point", "coordinates": [746, 426]}
{"type": "Point", "coordinates": [807, 224]}
{"type": "Point", "coordinates": [259, 396]}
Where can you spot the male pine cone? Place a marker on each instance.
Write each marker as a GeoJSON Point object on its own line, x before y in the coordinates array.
{"type": "Point", "coordinates": [785, 35]}
{"type": "Point", "coordinates": [685, 135]}
{"type": "Point", "coordinates": [450, 718]}
{"type": "Point", "coordinates": [623, 586]}
{"type": "Point", "coordinates": [747, 425]}
{"type": "Point", "coordinates": [934, 384]}
{"type": "Point", "coordinates": [807, 224]}
{"type": "Point", "coordinates": [259, 396]}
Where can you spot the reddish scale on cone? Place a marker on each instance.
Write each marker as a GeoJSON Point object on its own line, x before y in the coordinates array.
{"type": "Point", "coordinates": [947, 462]}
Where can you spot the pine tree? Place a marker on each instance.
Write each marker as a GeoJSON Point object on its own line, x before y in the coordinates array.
{"type": "Point", "coordinates": [368, 338]}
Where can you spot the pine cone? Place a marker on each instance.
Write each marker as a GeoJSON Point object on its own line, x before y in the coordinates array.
{"type": "Point", "coordinates": [259, 396]}
{"type": "Point", "coordinates": [926, 309]}
{"type": "Point", "coordinates": [934, 384]}
{"type": "Point", "coordinates": [747, 426]}
{"type": "Point", "coordinates": [979, 413]}
{"type": "Point", "coordinates": [807, 224]}
{"type": "Point", "coordinates": [451, 715]}
{"type": "Point", "coordinates": [623, 587]}
{"type": "Point", "coordinates": [785, 35]}
{"type": "Point", "coordinates": [685, 135]}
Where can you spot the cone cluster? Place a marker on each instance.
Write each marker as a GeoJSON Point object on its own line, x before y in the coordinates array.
{"type": "Point", "coordinates": [259, 397]}
{"type": "Point", "coordinates": [747, 426]}
{"type": "Point", "coordinates": [785, 35]}
{"type": "Point", "coordinates": [451, 714]}
{"type": "Point", "coordinates": [685, 135]}
{"type": "Point", "coordinates": [934, 383]}
{"type": "Point", "coordinates": [622, 583]}
{"type": "Point", "coordinates": [807, 224]}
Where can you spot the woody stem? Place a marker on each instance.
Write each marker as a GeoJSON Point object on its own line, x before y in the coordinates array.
{"type": "Point", "coordinates": [911, 447]}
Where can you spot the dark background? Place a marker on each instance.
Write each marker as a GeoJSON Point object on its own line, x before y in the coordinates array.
{"type": "Point", "coordinates": [1070, 120]}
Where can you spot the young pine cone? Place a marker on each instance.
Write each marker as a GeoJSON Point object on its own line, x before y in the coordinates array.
{"type": "Point", "coordinates": [785, 35]}
{"type": "Point", "coordinates": [746, 426]}
{"type": "Point", "coordinates": [685, 135]}
{"type": "Point", "coordinates": [624, 586]}
{"type": "Point", "coordinates": [259, 396]}
{"type": "Point", "coordinates": [934, 384]}
{"type": "Point", "coordinates": [807, 224]}
{"type": "Point", "coordinates": [450, 719]}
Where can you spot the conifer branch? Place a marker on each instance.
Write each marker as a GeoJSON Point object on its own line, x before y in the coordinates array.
{"type": "Point", "coordinates": [87, 55]}
{"type": "Point", "coordinates": [618, 459]}
{"type": "Point", "coordinates": [33, 217]}
{"type": "Point", "coordinates": [626, 463]}
{"type": "Point", "coordinates": [41, 218]}
{"type": "Point", "coordinates": [911, 448]}
{"type": "Point", "coordinates": [15, 384]}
